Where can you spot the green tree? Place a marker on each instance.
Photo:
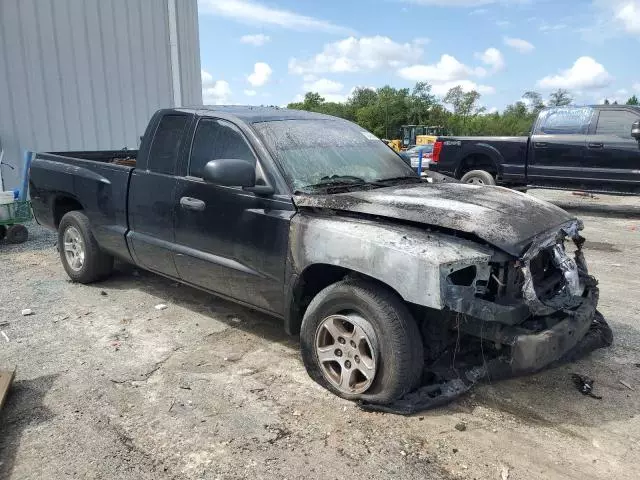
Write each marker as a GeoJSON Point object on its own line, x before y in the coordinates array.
{"type": "Point", "coordinates": [465, 104]}
{"type": "Point", "coordinates": [535, 101]}
{"type": "Point", "coordinates": [420, 104]}
{"type": "Point", "coordinates": [606, 101]}
{"type": "Point", "coordinates": [560, 98]}
{"type": "Point", "coordinates": [633, 101]}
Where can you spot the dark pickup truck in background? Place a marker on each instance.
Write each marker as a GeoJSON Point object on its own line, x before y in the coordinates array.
{"type": "Point", "coordinates": [314, 220]}
{"type": "Point", "coordinates": [581, 148]}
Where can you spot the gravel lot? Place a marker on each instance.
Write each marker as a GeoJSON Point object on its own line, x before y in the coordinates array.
{"type": "Point", "coordinates": [108, 387]}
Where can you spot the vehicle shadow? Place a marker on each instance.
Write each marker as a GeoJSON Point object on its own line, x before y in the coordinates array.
{"type": "Point", "coordinates": [126, 277]}
{"type": "Point", "coordinates": [548, 398]}
{"type": "Point", "coordinates": [24, 408]}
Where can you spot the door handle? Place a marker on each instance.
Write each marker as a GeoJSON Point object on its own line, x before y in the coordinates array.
{"type": "Point", "coordinates": [189, 203]}
{"type": "Point", "coordinates": [541, 144]}
{"type": "Point", "coordinates": [596, 145]}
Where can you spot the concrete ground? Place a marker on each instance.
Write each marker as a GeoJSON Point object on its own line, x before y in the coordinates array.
{"type": "Point", "coordinates": [108, 387]}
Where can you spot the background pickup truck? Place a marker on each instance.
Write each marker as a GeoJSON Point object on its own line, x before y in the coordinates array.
{"type": "Point", "coordinates": [583, 148]}
{"type": "Point", "coordinates": [314, 220]}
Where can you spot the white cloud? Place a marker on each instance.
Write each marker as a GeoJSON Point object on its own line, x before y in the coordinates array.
{"type": "Point", "coordinates": [323, 86]}
{"type": "Point", "coordinates": [545, 27]}
{"type": "Point", "coordinates": [357, 54]}
{"type": "Point", "coordinates": [503, 23]}
{"type": "Point", "coordinates": [478, 11]}
{"type": "Point", "coordinates": [492, 57]}
{"type": "Point", "coordinates": [636, 87]}
{"type": "Point", "coordinates": [447, 73]}
{"type": "Point", "coordinates": [206, 77]}
{"type": "Point", "coordinates": [441, 89]}
{"type": "Point", "coordinates": [421, 41]}
{"type": "Point", "coordinates": [214, 92]}
{"type": "Point", "coordinates": [261, 74]}
{"type": "Point", "coordinates": [250, 93]}
{"type": "Point", "coordinates": [585, 73]}
{"type": "Point", "coordinates": [448, 69]}
{"type": "Point", "coordinates": [254, 13]}
{"type": "Point", "coordinates": [257, 40]}
{"type": "Point", "coordinates": [519, 44]}
{"type": "Point", "coordinates": [628, 14]}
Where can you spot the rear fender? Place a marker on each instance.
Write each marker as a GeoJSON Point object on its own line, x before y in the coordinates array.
{"type": "Point", "coordinates": [485, 150]}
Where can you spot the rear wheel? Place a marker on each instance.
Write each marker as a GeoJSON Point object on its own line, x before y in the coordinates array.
{"type": "Point", "coordinates": [478, 177]}
{"type": "Point", "coordinates": [80, 254]}
{"type": "Point", "coordinates": [359, 341]}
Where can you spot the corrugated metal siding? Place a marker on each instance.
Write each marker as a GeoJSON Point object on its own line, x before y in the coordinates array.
{"type": "Point", "coordinates": [88, 74]}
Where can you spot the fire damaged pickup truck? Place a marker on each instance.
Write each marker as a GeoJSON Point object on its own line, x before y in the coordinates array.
{"type": "Point", "coordinates": [385, 275]}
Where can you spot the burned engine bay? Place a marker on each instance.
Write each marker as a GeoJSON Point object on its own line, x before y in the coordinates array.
{"type": "Point", "coordinates": [510, 317]}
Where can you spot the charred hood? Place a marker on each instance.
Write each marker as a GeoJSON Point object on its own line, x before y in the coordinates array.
{"type": "Point", "coordinates": [501, 217]}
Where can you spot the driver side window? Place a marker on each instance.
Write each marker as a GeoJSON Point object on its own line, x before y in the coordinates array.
{"type": "Point", "coordinates": [217, 139]}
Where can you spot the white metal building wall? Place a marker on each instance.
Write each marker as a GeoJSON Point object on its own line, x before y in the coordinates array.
{"type": "Point", "coordinates": [88, 74]}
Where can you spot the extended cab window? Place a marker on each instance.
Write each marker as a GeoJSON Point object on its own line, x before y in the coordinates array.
{"type": "Point", "coordinates": [564, 121]}
{"type": "Point", "coordinates": [616, 122]}
{"type": "Point", "coordinates": [214, 140]}
{"type": "Point", "coordinates": [163, 155]}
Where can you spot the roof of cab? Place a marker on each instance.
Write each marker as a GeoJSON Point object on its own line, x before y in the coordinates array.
{"type": "Point", "coordinates": [250, 114]}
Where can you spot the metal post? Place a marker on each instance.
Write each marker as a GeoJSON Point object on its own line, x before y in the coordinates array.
{"type": "Point", "coordinates": [420, 163]}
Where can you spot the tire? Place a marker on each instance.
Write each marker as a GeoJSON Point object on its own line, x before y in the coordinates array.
{"type": "Point", "coordinates": [478, 177]}
{"type": "Point", "coordinates": [3, 232]}
{"type": "Point", "coordinates": [95, 264]}
{"type": "Point", "coordinates": [396, 344]}
{"type": "Point", "coordinates": [17, 234]}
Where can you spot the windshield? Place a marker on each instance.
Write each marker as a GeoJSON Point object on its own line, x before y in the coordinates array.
{"type": "Point", "coordinates": [312, 151]}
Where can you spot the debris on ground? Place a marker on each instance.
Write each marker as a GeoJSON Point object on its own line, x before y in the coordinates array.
{"type": "Point", "coordinates": [4, 335]}
{"type": "Point", "coordinates": [504, 474]}
{"type": "Point", "coordinates": [297, 413]}
{"type": "Point", "coordinates": [461, 427]}
{"type": "Point", "coordinates": [627, 385]}
{"type": "Point", "coordinates": [103, 293]}
{"type": "Point", "coordinates": [584, 385]}
{"type": "Point", "coordinates": [160, 306]}
{"type": "Point", "coordinates": [26, 312]}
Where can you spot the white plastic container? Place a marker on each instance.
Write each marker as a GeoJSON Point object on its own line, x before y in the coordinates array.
{"type": "Point", "coordinates": [6, 200]}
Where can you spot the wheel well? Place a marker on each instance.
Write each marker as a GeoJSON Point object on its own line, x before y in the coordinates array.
{"type": "Point", "coordinates": [309, 283]}
{"type": "Point", "coordinates": [62, 206]}
{"type": "Point", "coordinates": [477, 161]}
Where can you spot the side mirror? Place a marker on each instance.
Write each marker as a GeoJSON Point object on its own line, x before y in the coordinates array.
{"type": "Point", "coordinates": [230, 172]}
{"type": "Point", "coordinates": [635, 130]}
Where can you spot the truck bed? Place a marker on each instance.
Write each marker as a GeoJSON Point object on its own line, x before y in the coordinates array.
{"type": "Point", "coordinates": [93, 181]}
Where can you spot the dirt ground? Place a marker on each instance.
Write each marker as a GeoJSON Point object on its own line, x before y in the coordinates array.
{"type": "Point", "coordinates": [108, 387]}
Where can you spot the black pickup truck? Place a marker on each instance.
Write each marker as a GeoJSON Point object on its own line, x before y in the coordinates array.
{"type": "Point", "coordinates": [314, 220]}
{"type": "Point", "coordinates": [581, 148]}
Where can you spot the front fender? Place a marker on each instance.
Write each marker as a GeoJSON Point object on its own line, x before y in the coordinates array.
{"type": "Point", "coordinates": [409, 260]}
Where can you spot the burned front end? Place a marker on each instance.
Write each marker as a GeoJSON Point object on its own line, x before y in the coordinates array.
{"type": "Point", "coordinates": [537, 307]}
{"type": "Point", "coordinates": [509, 316]}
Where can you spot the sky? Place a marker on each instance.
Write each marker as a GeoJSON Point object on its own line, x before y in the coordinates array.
{"type": "Point", "coordinates": [270, 52]}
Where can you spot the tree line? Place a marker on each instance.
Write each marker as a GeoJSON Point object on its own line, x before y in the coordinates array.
{"type": "Point", "coordinates": [384, 110]}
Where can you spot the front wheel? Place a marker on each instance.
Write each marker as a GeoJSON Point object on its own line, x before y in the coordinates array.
{"type": "Point", "coordinates": [478, 177]}
{"type": "Point", "coordinates": [359, 341]}
{"type": "Point", "coordinates": [80, 254]}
